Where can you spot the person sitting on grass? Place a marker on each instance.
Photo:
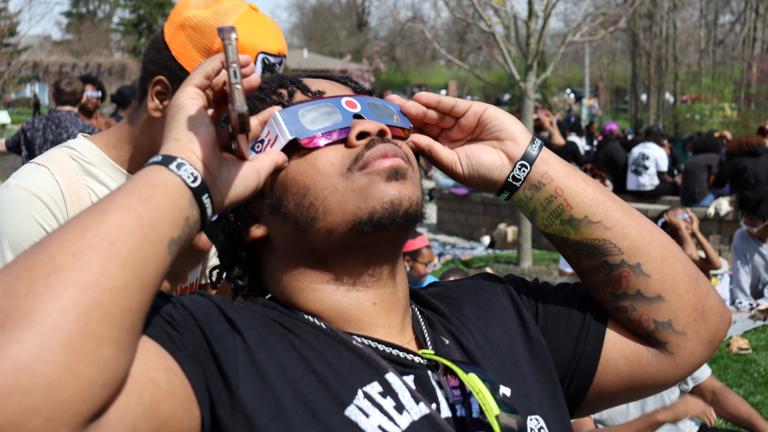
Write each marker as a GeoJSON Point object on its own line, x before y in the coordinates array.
{"type": "Point", "coordinates": [750, 250]}
{"type": "Point", "coordinates": [683, 226]}
{"type": "Point", "coordinates": [692, 405]}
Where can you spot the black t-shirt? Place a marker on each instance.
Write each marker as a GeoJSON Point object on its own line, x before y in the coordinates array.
{"type": "Point", "coordinates": [744, 172]}
{"type": "Point", "coordinates": [260, 366]}
{"type": "Point", "coordinates": [570, 153]}
{"type": "Point", "coordinates": [695, 185]}
{"type": "Point", "coordinates": [612, 158]}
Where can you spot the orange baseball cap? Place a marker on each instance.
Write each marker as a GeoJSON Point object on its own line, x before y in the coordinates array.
{"type": "Point", "coordinates": [190, 30]}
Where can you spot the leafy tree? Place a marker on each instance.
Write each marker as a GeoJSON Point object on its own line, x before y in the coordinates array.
{"type": "Point", "coordinates": [9, 29]}
{"type": "Point", "coordinates": [89, 26]}
{"type": "Point", "coordinates": [138, 20]}
{"type": "Point", "coordinates": [345, 27]}
{"type": "Point", "coordinates": [9, 44]}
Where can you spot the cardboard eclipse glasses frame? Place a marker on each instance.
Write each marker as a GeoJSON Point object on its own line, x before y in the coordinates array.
{"type": "Point", "coordinates": [319, 122]}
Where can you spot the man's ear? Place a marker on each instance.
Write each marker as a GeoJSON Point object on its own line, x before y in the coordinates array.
{"type": "Point", "coordinates": [159, 94]}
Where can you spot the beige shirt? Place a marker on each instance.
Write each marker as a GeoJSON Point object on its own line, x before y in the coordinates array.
{"type": "Point", "coordinates": [32, 203]}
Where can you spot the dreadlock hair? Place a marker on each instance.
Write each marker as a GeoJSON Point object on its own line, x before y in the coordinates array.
{"type": "Point", "coordinates": [754, 202]}
{"type": "Point", "coordinates": [239, 262]}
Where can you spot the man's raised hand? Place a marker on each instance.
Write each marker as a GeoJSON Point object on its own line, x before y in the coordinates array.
{"type": "Point", "coordinates": [474, 143]}
{"type": "Point", "coordinates": [191, 132]}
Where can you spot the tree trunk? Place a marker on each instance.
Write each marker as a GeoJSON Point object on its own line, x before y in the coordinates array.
{"type": "Point", "coordinates": [653, 70]}
{"type": "Point", "coordinates": [675, 70]}
{"type": "Point", "coordinates": [525, 230]}
{"type": "Point", "coordinates": [634, 80]}
{"type": "Point", "coordinates": [702, 45]}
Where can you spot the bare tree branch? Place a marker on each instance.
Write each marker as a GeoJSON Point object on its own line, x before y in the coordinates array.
{"type": "Point", "coordinates": [466, 17]}
{"type": "Point", "coordinates": [549, 7]}
{"type": "Point", "coordinates": [448, 56]}
{"type": "Point", "coordinates": [501, 45]}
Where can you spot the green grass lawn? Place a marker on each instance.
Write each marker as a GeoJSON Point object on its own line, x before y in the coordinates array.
{"type": "Point", "coordinates": [747, 375]}
{"type": "Point", "coordinates": [540, 258]}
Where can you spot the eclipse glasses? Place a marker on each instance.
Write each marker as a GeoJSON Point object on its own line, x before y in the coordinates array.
{"type": "Point", "coordinates": [316, 123]}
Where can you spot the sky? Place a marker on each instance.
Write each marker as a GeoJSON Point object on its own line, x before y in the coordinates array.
{"type": "Point", "coordinates": [44, 16]}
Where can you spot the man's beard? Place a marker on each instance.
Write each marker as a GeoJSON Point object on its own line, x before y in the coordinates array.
{"type": "Point", "coordinates": [400, 214]}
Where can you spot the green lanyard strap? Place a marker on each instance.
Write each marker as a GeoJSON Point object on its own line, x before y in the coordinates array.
{"type": "Point", "coordinates": [474, 384]}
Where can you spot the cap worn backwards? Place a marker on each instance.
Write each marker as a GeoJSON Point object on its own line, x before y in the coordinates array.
{"type": "Point", "coordinates": [190, 30]}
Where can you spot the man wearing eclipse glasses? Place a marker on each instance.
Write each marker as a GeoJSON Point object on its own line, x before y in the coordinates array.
{"type": "Point", "coordinates": [327, 334]}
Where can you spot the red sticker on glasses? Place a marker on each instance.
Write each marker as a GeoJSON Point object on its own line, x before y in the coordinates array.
{"type": "Point", "coordinates": [351, 105]}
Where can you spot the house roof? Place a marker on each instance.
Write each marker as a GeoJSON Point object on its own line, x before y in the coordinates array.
{"type": "Point", "coordinates": [303, 59]}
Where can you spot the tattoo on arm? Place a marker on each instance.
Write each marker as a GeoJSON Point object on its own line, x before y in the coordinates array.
{"type": "Point", "coordinates": [179, 240]}
{"type": "Point", "coordinates": [575, 225]}
{"type": "Point", "coordinates": [608, 268]}
{"type": "Point", "coordinates": [589, 248]}
{"type": "Point", "coordinates": [611, 278]}
{"type": "Point", "coordinates": [635, 297]}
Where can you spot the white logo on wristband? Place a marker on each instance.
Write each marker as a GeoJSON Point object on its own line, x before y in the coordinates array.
{"type": "Point", "coordinates": [190, 175]}
{"type": "Point", "coordinates": [535, 145]}
{"type": "Point", "coordinates": [208, 205]}
{"type": "Point", "coordinates": [518, 175]}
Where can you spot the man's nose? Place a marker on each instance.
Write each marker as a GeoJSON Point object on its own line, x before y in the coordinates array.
{"type": "Point", "coordinates": [363, 130]}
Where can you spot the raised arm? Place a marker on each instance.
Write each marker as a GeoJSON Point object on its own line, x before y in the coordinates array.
{"type": "Point", "coordinates": [653, 293]}
{"type": "Point", "coordinates": [711, 260]}
{"type": "Point", "coordinates": [73, 316]}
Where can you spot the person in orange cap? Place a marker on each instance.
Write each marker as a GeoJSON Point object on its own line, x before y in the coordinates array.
{"type": "Point", "coordinates": [191, 35]}
{"type": "Point", "coordinates": [39, 197]}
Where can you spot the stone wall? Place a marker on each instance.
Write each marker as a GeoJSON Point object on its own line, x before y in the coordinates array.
{"type": "Point", "coordinates": [476, 214]}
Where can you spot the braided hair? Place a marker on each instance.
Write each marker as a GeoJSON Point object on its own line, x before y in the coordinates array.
{"type": "Point", "coordinates": [239, 262]}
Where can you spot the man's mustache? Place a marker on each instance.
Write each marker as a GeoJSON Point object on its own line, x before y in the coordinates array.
{"type": "Point", "coordinates": [355, 164]}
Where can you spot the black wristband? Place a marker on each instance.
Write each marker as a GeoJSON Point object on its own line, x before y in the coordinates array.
{"type": "Point", "coordinates": [194, 181]}
{"type": "Point", "coordinates": [520, 171]}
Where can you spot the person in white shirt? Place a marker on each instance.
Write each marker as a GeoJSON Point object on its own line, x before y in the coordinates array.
{"type": "Point", "coordinates": [690, 406]}
{"type": "Point", "coordinates": [648, 168]}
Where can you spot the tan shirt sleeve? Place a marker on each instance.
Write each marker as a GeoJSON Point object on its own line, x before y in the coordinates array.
{"type": "Point", "coordinates": [31, 207]}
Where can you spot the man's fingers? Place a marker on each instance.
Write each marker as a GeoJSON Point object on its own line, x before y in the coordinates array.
{"type": "Point", "coordinates": [211, 75]}
{"type": "Point", "coordinates": [258, 168]}
{"type": "Point", "coordinates": [451, 106]}
{"type": "Point", "coordinates": [442, 157]}
{"type": "Point", "coordinates": [260, 120]}
{"type": "Point", "coordinates": [244, 178]}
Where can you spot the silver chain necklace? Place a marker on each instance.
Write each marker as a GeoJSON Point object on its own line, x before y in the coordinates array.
{"type": "Point", "coordinates": [394, 351]}
{"type": "Point", "coordinates": [362, 340]}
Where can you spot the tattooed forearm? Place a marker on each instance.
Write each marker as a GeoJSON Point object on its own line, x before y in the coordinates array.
{"type": "Point", "coordinates": [607, 268]}
{"type": "Point", "coordinates": [575, 225]}
{"type": "Point", "coordinates": [550, 210]}
{"type": "Point", "coordinates": [666, 326]}
{"type": "Point", "coordinates": [635, 297]}
{"type": "Point", "coordinates": [588, 249]}
{"type": "Point", "coordinates": [179, 240]}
